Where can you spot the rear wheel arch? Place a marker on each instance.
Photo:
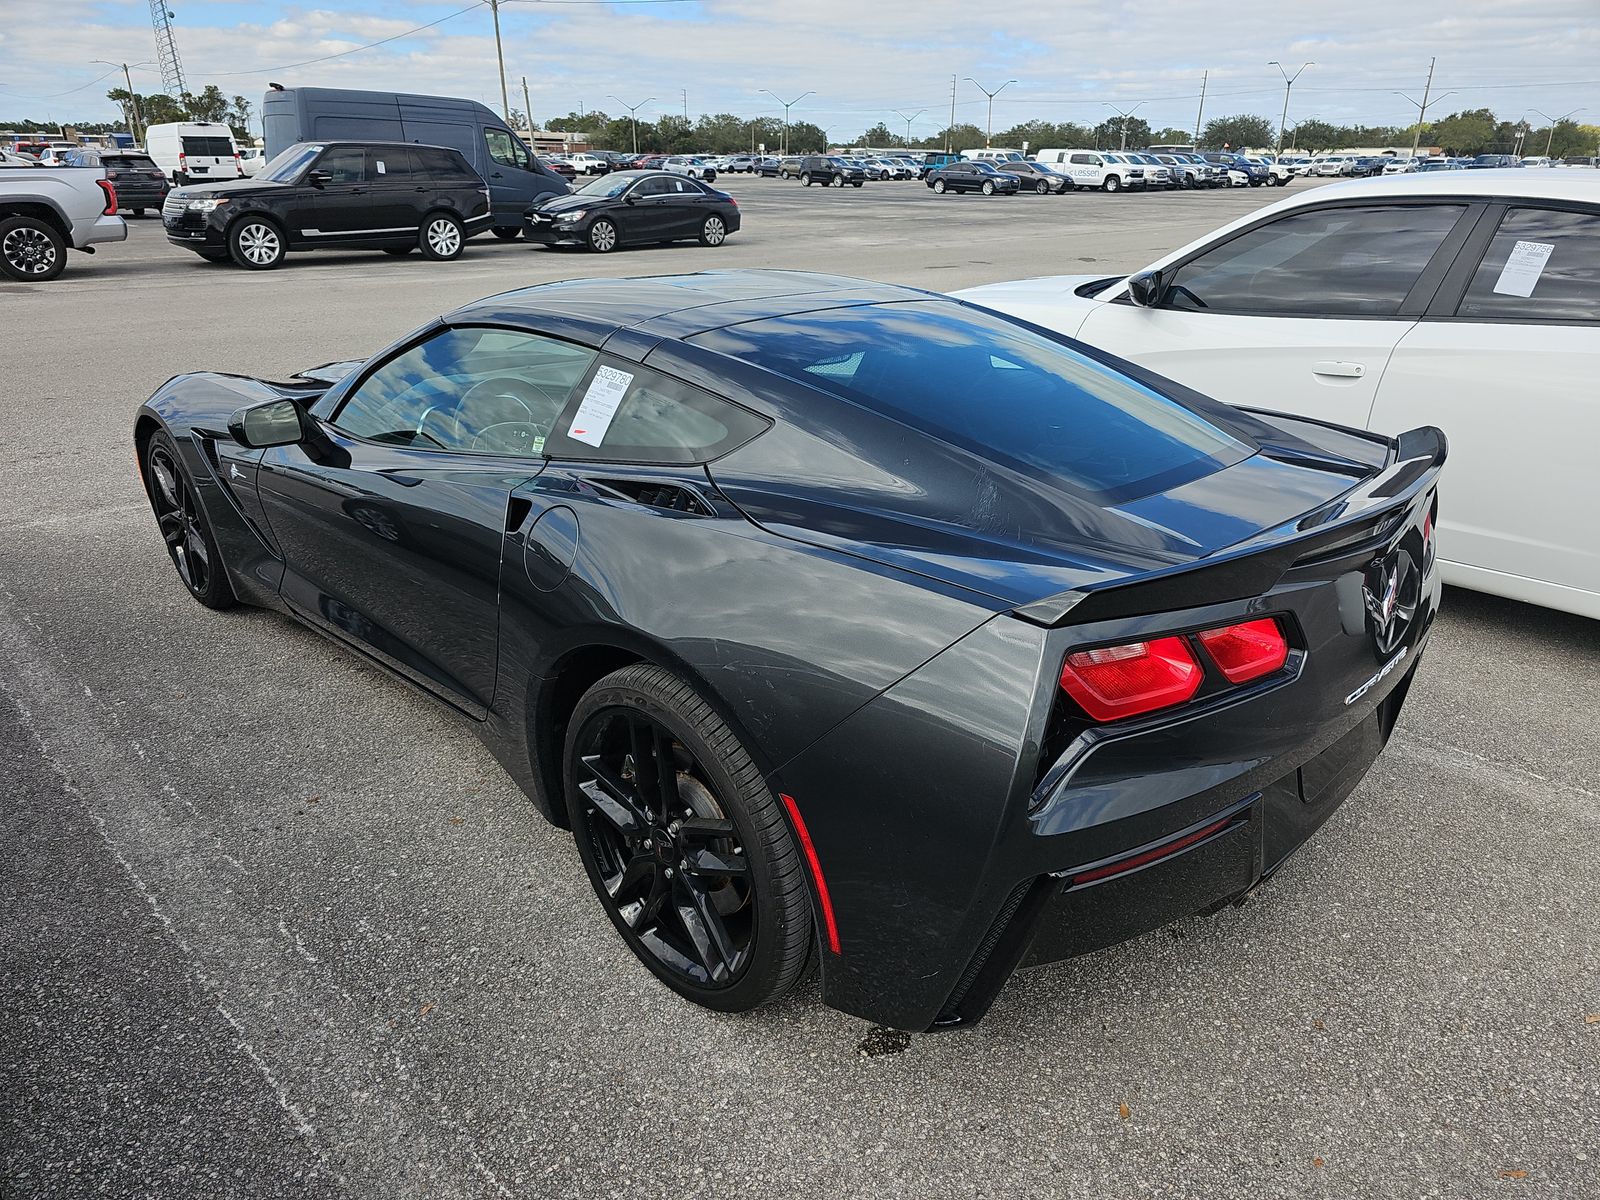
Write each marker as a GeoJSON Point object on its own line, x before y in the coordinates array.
{"type": "Point", "coordinates": [39, 211]}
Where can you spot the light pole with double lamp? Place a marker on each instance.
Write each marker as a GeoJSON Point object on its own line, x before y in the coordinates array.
{"type": "Point", "coordinates": [988, 133]}
{"type": "Point", "coordinates": [1288, 82]}
{"type": "Point", "coordinates": [783, 147]}
{"type": "Point", "coordinates": [1124, 115]}
{"type": "Point", "coordinates": [1554, 121]}
{"type": "Point", "coordinates": [908, 121]}
{"type": "Point", "coordinates": [633, 115]}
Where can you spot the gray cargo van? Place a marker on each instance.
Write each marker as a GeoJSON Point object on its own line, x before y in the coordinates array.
{"type": "Point", "coordinates": [515, 177]}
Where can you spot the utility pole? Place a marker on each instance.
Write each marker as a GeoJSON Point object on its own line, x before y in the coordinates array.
{"type": "Point", "coordinates": [1422, 108]}
{"type": "Point", "coordinates": [952, 124]}
{"type": "Point", "coordinates": [783, 147]}
{"type": "Point", "coordinates": [527, 110]}
{"type": "Point", "coordinates": [685, 105]}
{"type": "Point", "coordinates": [988, 135]}
{"type": "Point", "coordinates": [135, 117]}
{"type": "Point", "coordinates": [908, 121]}
{"type": "Point", "coordinates": [1548, 142]}
{"type": "Point", "coordinates": [499, 53]}
{"type": "Point", "coordinates": [1288, 82]}
{"type": "Point", "coordinates": [633, 114]}
{"type": "Point", "coordinates": [1201, 111]}
{"type": "Point", "coordinates": [1125, 116]}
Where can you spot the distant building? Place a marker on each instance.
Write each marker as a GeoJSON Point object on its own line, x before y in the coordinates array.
{"type": "Point", "coordinates": [555, 141]}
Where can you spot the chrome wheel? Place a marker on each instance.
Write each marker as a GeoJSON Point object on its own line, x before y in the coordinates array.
{"type": "Point", "coordinates": [259, 244]}
{"type": "Point", "coordinates": [714, 233]}
{"type": "Point", "coordinates": [444, 237]}
{"type": "Point", "coordinates": [178, 517]}
{"type": "Point", "coordinates": [29, 251]}
{"type": "Point", "coordinates": [603, 237]}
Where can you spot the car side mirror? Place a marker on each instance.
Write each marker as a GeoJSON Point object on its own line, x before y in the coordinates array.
{"type": "Point", "coordinates": [319, 179]}
{"type": "Point", "coordinates": [630, 198]}
{"type": "Point", "coordinates": [270, 423]}
{"type": "Point", "coordinates": [1145, 289]}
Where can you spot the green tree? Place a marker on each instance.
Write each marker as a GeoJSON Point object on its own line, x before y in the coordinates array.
{"type": "Point", "coordinates": [1041, 134]}
{"type": "Point", "coordinates": [1172, 137]}
{"type": "Point", "coordinates": [806, 138]}
{"type": "Point", "coordinates": [1234, 133]}
{"type": "Point", "coordinates": [207, 105]}
{"type": "Point", "coordinates": [1108, 134]}
{"type": "Point", "coordinates": [960, 136]}
{"type": "Point", "coordinates": [880, 135]}
{"type": "Point", "coordinates": [1316, 136]}
{"type": "Point", "coordinates": [1469, 132]}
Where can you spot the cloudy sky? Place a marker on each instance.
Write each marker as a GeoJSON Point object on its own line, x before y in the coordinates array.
{"type": "Point", "coordinates": [863, 60]}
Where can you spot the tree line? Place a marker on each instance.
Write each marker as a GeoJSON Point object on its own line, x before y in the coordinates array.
{"type": "Point", "coordinates": [1472, 131]}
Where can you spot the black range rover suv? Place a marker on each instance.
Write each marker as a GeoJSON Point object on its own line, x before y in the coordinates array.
{"type": "Point", "coordinates": [351, 195]}
{"type": "Point", "coordinates": [830, 171]}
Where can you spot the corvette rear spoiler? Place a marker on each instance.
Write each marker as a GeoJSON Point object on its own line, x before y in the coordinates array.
{"type": "Point", "coordinates": [1371, 510]}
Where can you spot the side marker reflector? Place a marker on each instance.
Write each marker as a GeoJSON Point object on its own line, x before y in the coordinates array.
{"type": "Point", "coordinates": [829, 927]}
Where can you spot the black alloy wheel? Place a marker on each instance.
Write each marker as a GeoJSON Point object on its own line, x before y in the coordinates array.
{"type": "Point", "coordinates": [183, 525]}
{"type": "Point", "coordinates": [31, 250]}
{"type": "Point", "coordinates": [686, 846]}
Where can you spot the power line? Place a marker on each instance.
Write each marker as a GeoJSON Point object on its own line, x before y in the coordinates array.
{"type": "Point", "coordinates": [460, 12]}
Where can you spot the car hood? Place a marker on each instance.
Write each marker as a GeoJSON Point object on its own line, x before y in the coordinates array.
{"type": "Point", "coordinates": [1052, 301]}
{"type": "Point", "coordinates": [558, 204]}
{"type": "Point", "coordinates": [231, 188]}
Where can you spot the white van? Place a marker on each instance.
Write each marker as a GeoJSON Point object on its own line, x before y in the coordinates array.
{"type": "Point", "coordinates": [992, 156]}
{"type": "Point", "coordinates": [194, 151]}
{"type": "Point", "coordinates": [1094, 169]}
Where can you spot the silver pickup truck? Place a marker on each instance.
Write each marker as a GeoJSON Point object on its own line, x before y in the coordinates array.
{"type": "Point", "coordinates": [43, 210]}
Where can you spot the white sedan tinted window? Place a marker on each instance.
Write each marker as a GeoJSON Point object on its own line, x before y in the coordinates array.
{"type": "Point", "coordinates": [1556, 276]}
{"type": "Point", "coordinates": [1328, 262]}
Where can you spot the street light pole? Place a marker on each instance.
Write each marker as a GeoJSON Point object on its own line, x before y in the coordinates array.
{"type": "Point", "coordinates": [1548, 142]}
{"type": "Point", "coordinates": [908, 121]}
{"type": "Point", "coordinates": [527, 110]}
{"type": "Point", "coordinates": [783, 147]}
{"type": "Point", "coordinates": [1125, 116]}
{"type": "Point", "coordinates": [633, 115]}
{"type": "Point", "coordinates": [988, 133]}
{"type": "Point", "coordinates": [1288, 82]}
{"type": "Point", "coordinates": [136, 118]}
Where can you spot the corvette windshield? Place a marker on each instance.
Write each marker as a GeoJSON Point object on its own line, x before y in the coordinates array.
{"type": "Point", "coordinates": [980, 382]}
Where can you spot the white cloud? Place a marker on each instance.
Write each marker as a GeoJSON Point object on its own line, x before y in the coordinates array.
{"type": "Point", "coordinates": [863, 60]}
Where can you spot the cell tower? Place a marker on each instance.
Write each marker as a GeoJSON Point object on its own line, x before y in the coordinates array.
{"type": "Point", "coordinates": [167, 49]}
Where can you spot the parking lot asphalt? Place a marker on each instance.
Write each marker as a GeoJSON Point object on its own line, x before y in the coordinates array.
{"type": "Point", "coordinates": [274, 924]}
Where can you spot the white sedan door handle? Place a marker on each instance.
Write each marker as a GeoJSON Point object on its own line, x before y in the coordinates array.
{"type": "Point", "coordinates": [1344, 370]}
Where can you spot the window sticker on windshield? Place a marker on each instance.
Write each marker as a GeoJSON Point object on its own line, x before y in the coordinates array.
{"type": "Point", "coordinates": [382, 170]}
{"type": "Point", "coordinates": [1523, 268]}
{"type": "Point", "coordinates": [599, 405]}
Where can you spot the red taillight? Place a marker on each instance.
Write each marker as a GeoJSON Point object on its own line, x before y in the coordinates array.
{"type": "Point", "coordinates": [1247, 651]}
{"type": "Point", "coordinates": [110, 209]}
{"type": "Point", "coordinates": [1138, 677]}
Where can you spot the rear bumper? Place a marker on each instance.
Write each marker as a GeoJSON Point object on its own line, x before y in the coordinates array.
{"type": "Point", "coordinates": [101, 229]}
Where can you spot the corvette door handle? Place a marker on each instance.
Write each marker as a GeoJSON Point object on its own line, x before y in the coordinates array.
{"type": "Point", "coordinates": [1340, 370]}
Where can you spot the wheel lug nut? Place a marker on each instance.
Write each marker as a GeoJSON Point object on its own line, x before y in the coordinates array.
{"type": "Point", "coordinates": [648, 844]}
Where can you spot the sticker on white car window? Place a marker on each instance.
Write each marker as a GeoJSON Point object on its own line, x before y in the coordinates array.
{"type": "Point", "coordinates": [382, 170]}
{"type": "Point", "coordinates": [599, 406]}
{"type": "Point", "coordinates": [1523, 268]}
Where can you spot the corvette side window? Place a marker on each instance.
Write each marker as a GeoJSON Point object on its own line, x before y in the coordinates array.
{"type": "Point", "coordinates": [1330, 262]}
{"type": "Point", "coordinates": [468, 391]}
{"type": "Point", "coordinates": [629, 413]}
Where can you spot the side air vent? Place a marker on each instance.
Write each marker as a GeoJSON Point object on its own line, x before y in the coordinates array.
{"type": "Point", "coordinates": [652, 494]}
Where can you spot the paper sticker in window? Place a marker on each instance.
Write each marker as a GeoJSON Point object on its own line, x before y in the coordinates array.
{"type": "Point", "coordinates": [599, 405]}
{"type": "Point", "coordinates": [1523, 268]}
{"type": "Point", "coordinates": [382, 170]}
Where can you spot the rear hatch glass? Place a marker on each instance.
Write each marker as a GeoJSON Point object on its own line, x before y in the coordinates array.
{"type": "Point", "coordinates": [208, 147]}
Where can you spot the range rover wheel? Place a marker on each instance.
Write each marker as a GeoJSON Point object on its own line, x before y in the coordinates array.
{"type": "Point", "coordinates": [1113, 183]}
{"type": "Point", "coordinates": [714, 232]}
{"type": "Point", "coordinates": [939, 186]}
{"type": "Point", "coordinates": [602, 236]}
{"type": "Point", "coordinates": [256, 244]}
{"type": "Point", "coordinates": [30, 250]}
{"type": "Point", "coordinates": [686, 846]}
{"type": "Point", "coordinates": [441, 238]}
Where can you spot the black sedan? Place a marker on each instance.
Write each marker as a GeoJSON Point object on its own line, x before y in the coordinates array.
{"type": "Point", "coordinates": [838, 621]}
{"type": "Point", "coordinates": [634, 208]}
{"type": "Point", "coordinates": [972, 177]}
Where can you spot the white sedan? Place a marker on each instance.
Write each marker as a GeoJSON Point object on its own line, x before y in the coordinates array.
{"type": "Point", "coordinates": [1468, 300]}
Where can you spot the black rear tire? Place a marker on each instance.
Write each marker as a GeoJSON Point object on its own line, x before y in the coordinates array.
{"type": "Point", "coordinates": [506, 235]}
{"type": "Point", "coordinates": [398, 251]}
{"type": "Point", "coordinates": [748, 886]}
{"type": "Point", "coordinates": [183, 523]}
{"type": "Point", "coordinates": [31, 250]}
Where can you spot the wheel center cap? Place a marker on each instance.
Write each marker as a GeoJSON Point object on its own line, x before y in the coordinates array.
{"type": "Point", "coordinates": [665, 848]}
